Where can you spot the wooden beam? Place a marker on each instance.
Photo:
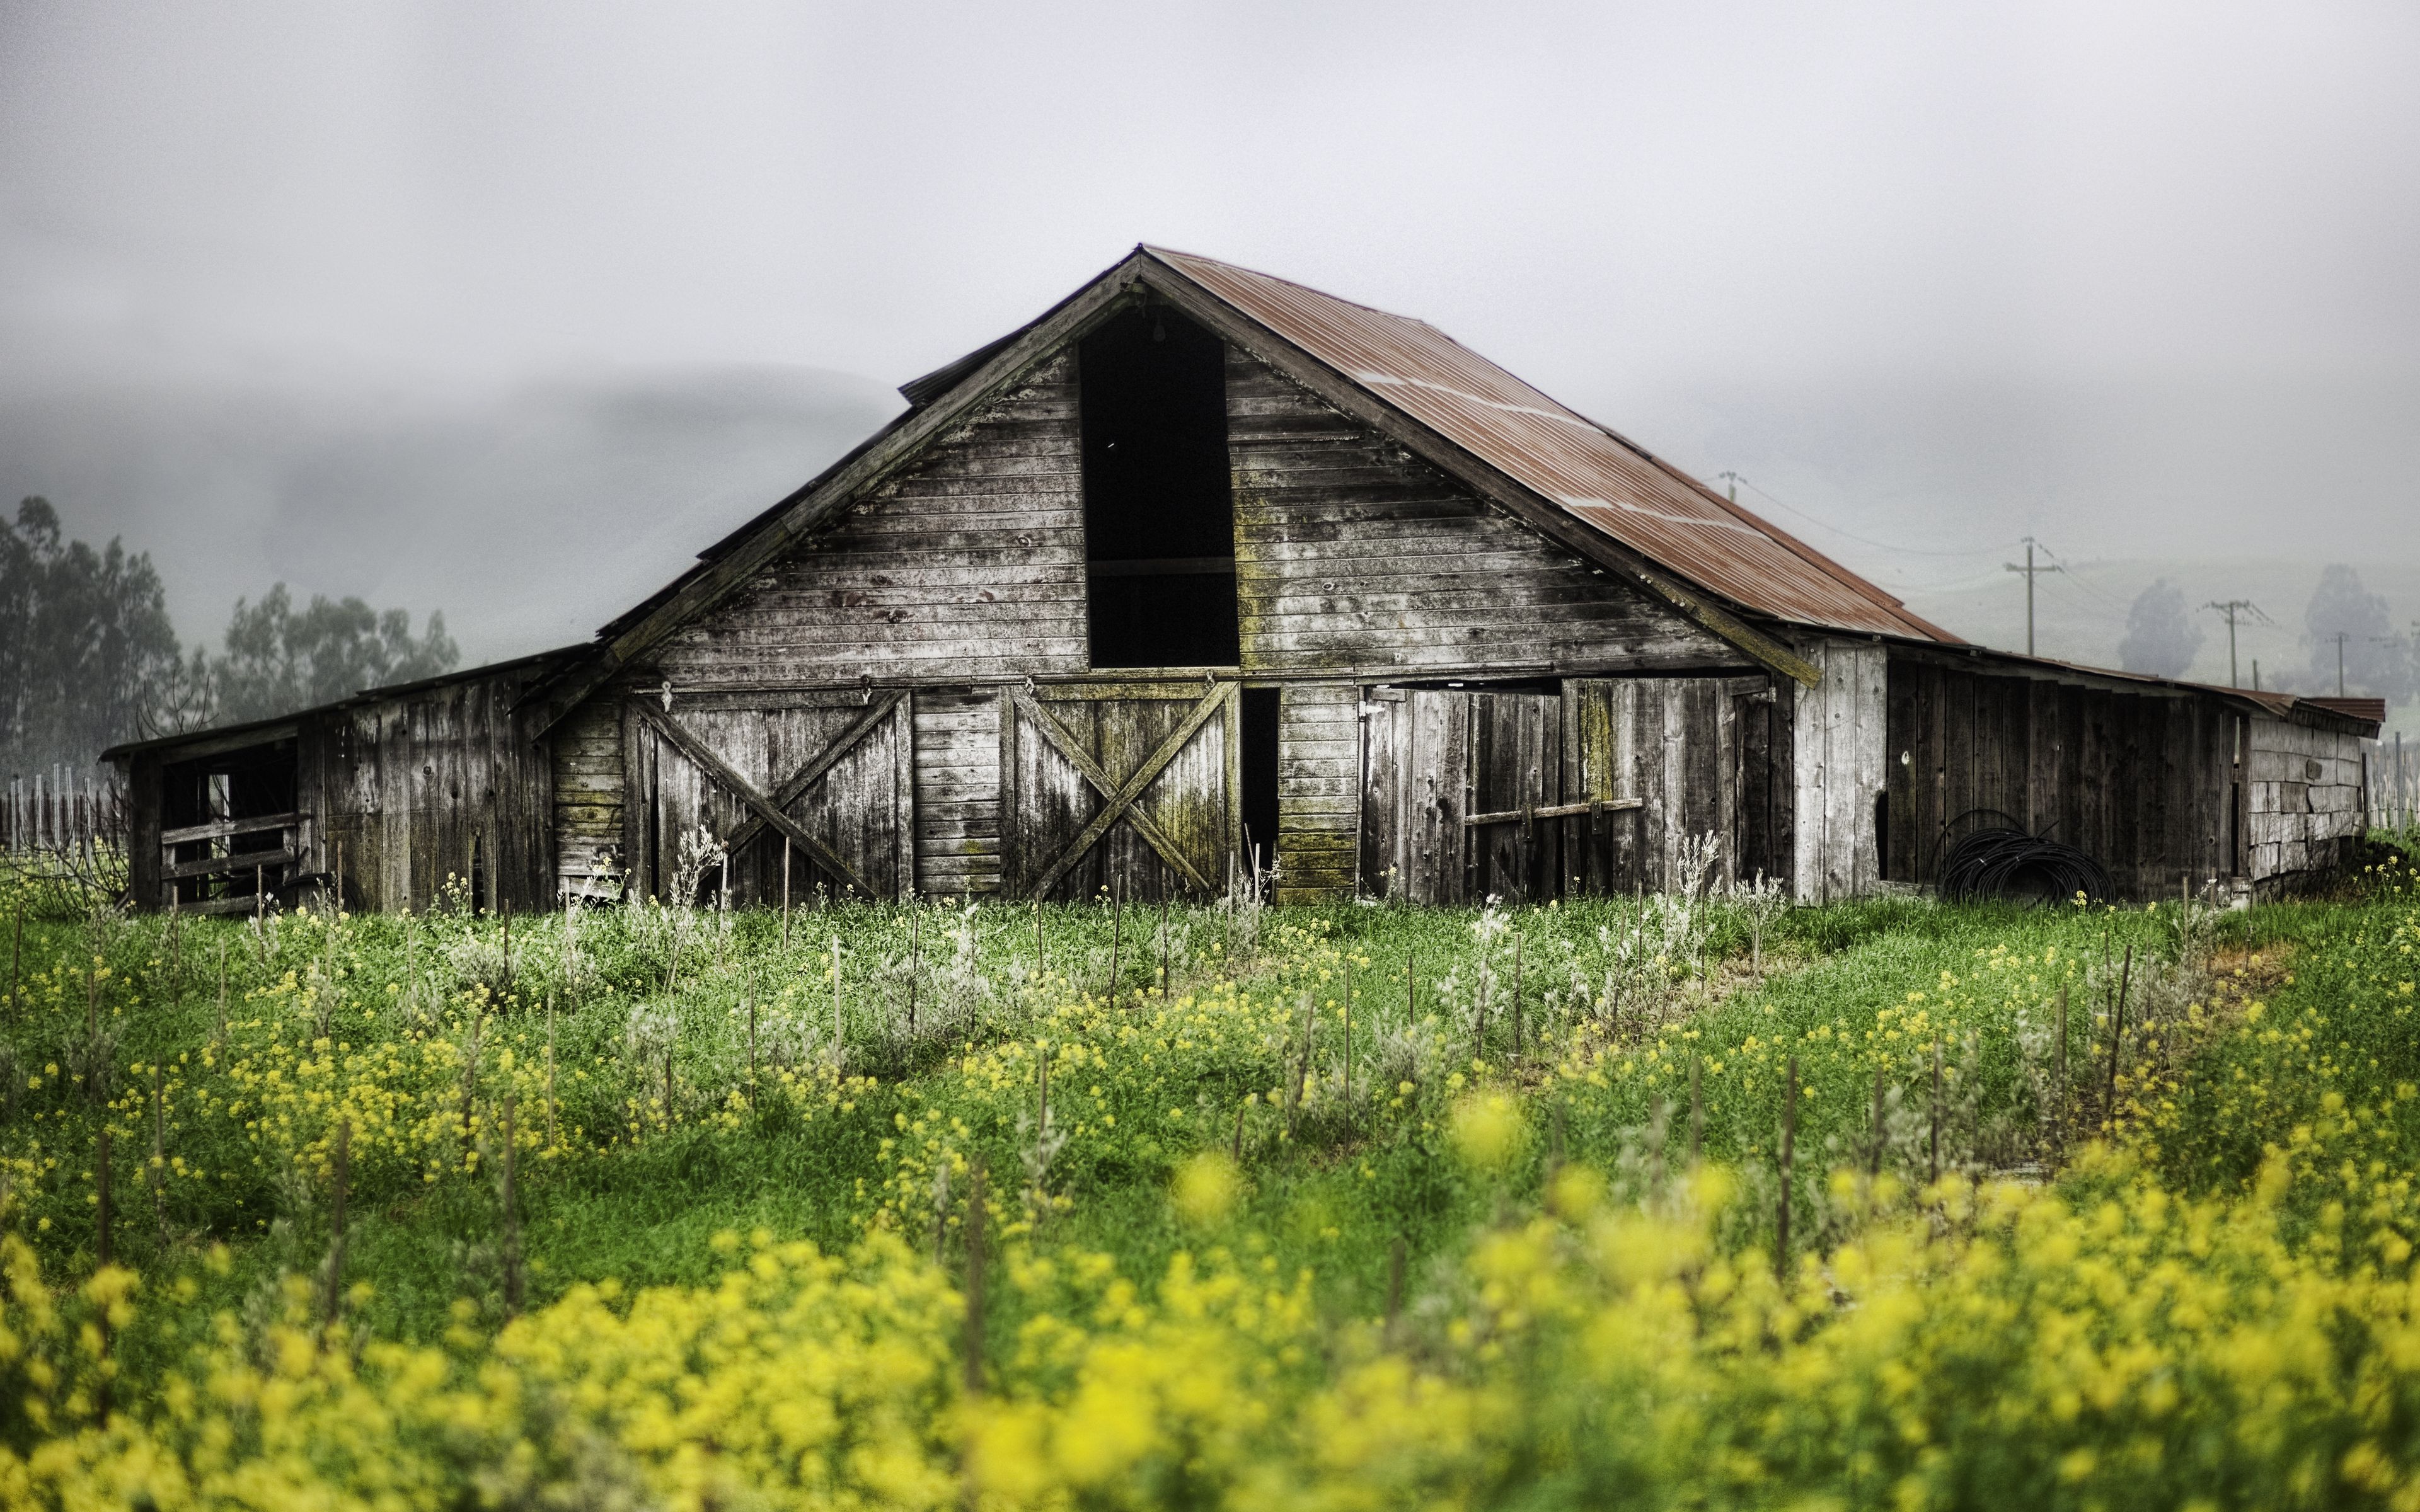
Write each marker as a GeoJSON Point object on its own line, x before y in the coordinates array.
{"type": "Point", "coordinates": [240, 863]}
{"type": "Point", "coordinates": [222, 828]}
{"type": "Point", "coordinates": [1122, 795]}
{"type": "Point", "coordinates": [745, 791]}
{"type": "Point", "coordinates": [1552, 810]}
{"type": "Point", "coordinates": [807, 775]}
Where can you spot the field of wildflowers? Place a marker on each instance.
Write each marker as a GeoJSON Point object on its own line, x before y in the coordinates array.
{"type": "Point", "coordinates": [1678, 1201]}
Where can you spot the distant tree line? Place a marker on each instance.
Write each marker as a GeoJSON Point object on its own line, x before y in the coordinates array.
{"type": "Point", "coordinates": [88, 657]}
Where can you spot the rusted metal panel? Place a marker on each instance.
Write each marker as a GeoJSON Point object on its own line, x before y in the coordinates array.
{"type": "Point", "coordinates": [1587, 469]}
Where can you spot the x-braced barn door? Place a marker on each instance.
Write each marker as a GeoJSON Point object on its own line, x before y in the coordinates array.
{"type": "Point", "coordinates": [1460, 794]}
{"type": "Point", "coordinates": [1131, 787]}
{"type": "Point", "coordinates": [831, 772]}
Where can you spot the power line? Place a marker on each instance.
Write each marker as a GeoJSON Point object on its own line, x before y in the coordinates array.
{"type": "Point", "coordinates": [1879, 546]}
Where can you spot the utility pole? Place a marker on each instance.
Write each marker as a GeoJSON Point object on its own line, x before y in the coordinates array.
{"type": "Point", "coordinates": [2340, 638]}
{"type": "Point", "coordinates": [2031, 572]}
{"type": "Point", "coordinates": [1735, 483]}
{"type": "Point", "coordinates": [2232, 609]}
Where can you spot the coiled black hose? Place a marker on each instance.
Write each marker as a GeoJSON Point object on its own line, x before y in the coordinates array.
{"type": "Point", "coordinates": [2003, 862]}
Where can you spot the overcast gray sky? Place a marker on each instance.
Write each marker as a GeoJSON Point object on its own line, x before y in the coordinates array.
{"type": "Point", "coordinates": [509, 309]}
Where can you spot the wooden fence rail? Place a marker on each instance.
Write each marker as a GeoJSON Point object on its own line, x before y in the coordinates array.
{"type": "Point", "coordinates": [53, 811]}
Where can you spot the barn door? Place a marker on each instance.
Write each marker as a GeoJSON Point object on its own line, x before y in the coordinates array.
{"type": "Point", "coordinates": [832, 773]}
{"type": "Point", "coordinates": [1697, 757]}
{"type": "Point", "coordinates": [1461, 793]}
{"type": "Point", "coordinates": [1132, 787]}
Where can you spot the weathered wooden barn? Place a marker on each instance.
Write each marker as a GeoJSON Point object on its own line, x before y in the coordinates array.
{"type": "Point", "coordinates": [1203, 566]}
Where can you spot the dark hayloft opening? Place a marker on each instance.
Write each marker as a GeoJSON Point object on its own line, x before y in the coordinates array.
{"type": "Point", "coordinates": [1259, 776]}
{"type": "Point", "coordinates": [1159, 511]}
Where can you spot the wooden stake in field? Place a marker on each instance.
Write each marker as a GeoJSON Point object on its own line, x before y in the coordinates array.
{"type": "Point", "coordinates": [1037, 944]}
{"type": "Point", "coordinates": [1117, 939]}
{"type": "Point", "coordinates": [1696, 1111]}
{"type": "Point", "coordinates": [505, 917]}
{"type": "Point", "coordinates": [159, 1158]}
{"type": "Point", "coordinates": [1163, 947]}
{"type": "Point", "coordinates": [511, 1215]}
{"type": "Point", "coordinates": [17, 954]}
{"type": "Point", "coordinates": [104, 1214]}
{"type": "Point", "coordinates": [786, 890]}
{"type": "Point", "coordinates": [1516, 993]}
{"type": "Point", "coordinates": [218, 1035]}
{"type": "Point", "coordinates": [1789, 1149]}
{"type": "Point", "coordinates": [554, 1141]}
{"type": "Point", "coordinates": [2117, 1034]}
{"type": "Point", "coordinates": [1346, 1030]}
{"type": "Point", "coordinates": [2059, 1081]}
{"type": "Point", "coordinates": [1394, 1284]}
{"type": "Point", "coordinates": [915, 962]}
{"type": "Point", "coordinates": [1933, 1170]}
{"type": "Point", "coordinates": [975, 1222]}
{"type": "Point", "coordinates": [837, 1033]}
{"type": "Point", "coordinates": [1882, 1134]}
{"type": "Point", "coordinates": [335, 1300]}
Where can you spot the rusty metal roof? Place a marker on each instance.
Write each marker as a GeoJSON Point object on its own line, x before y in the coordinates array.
{"type": "Point", "coordinates": [1646, 503]}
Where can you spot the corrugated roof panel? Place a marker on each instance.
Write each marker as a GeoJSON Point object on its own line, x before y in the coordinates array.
{"type": "Point", "coordinates": [1666, 516]}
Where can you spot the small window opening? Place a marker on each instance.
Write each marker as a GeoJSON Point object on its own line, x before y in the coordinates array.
{"type": "Point", "coordinates": [248, 797]}
{"type": "Point", "coordinates": [1160, 510]}
{"type": "Point", "coordinates": [1259, 776]}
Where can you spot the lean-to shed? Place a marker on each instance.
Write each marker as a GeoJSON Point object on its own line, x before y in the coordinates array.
{"type": "Point", "coordinates": [1203, 568]}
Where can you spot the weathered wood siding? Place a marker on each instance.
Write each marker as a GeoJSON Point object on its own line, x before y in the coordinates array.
{"type": "Point", "coordinates": [1838, 731]}
{"type": "Point", "coordinates": [1319, 763]}
{"type": "Point", "coordinates": [409, 784]}
{"type": "Point", "coordinates": [1700, 755]}
{"type": "Point", "coordinates": [861, 807]}
{"type": "Point", "coordinates": [2305, 801]}
{"type": "Point", "coordinates": [969, 563]}
{"type": "Point", "coordinates": [957, 792]}
{"type": "Point", "coordinates": [1352, 553]}
{"type": "Point", "coordinates": [2144, 782]}
{"type": "Point", "coordinates": [1052, 844]}
{"type": "Point", "coordinates": [587, 755]}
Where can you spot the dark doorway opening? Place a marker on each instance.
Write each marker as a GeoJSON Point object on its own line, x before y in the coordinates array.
{"type": "Point", "coordinates": [1159, 509]}
{"type": "Point", "coordinates": [228, 824]}
{"type": "Point", "coordinates": [1259, 776]}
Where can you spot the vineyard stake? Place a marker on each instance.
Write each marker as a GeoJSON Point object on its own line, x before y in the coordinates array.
{"type": "Point", "coordinates": [1117, 939]}
{"type": "Point", "coordinates": [786, 890]}
{"type": "Point", "coordinates": [1394, 1283]}
{"type": "Point", "coordinates": [159, 1158]}
{"type": "Point", "coordinates": [336, 1221]}
{"type": "Point", "coordinates": [974, 1350]}
{"type": "Point", "coordinates": [1789, 1148]}
{"type": "Point", "coordinates": [512, 1216]}
{"type": "Point", "coordinates": [2117, 1034]}
{"type": "Point", "coordinates": [101, 1175]}
{"type": "Point", "coordinates": [1934, 1167]}
{"type": "Point", "coordinates": [1697, 1112]}
{"type": "Point", "coordinates": [1163, 947]}
{"type": "Point", "coordinates": [1347, 1031]}
{"type": "Point", "coordinates": [1517, 992]}
{"type": "Point", "coordinates": [1875, 1162]}
{"type": "Point", "coordinates": [2059, 1082]}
